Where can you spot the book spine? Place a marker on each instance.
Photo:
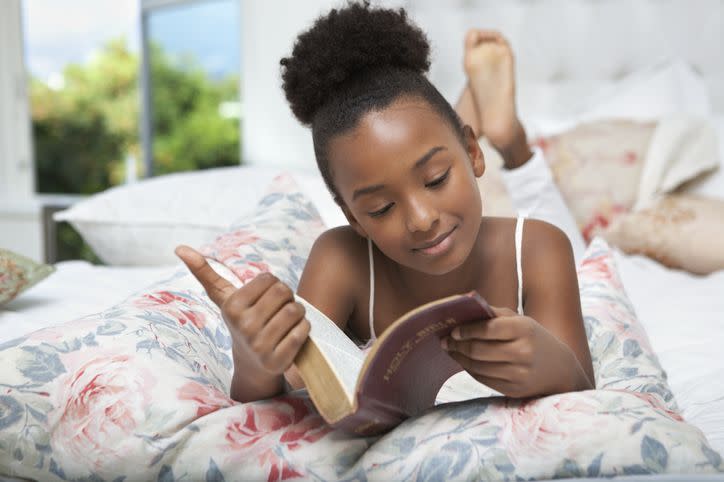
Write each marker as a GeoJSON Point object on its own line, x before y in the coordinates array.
{"type": "Point", "coordinates": [372, 417]}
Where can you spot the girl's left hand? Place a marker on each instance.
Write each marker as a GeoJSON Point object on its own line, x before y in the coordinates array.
{"type": "Point", "coordinates": [514, 355]}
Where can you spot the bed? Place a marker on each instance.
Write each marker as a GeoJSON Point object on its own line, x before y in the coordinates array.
{"type": "Point", "coordinates": [146, 303]}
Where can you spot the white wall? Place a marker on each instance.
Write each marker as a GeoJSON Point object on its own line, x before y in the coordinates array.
{"type": "Point", "coordinates": [566, 50]}
{"type": "Point", "coordinates": [270, 133]}
{"type": "Point", "coordinates": [20, 226]}
{"type": "Point", "coordinates": [16, 167]}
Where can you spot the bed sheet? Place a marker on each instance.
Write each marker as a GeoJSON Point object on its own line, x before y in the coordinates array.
{"type": "Point", "coordinates": [683, 315]}
{"type": "Point", "coordinates": [76, 289]}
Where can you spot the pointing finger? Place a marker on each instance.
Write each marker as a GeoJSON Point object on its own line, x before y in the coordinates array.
{"type": "Point", "coordinates": [216, 286]}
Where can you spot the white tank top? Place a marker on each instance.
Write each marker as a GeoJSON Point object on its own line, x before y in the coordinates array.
{"type": "Point", "coordinates": [519, 272]}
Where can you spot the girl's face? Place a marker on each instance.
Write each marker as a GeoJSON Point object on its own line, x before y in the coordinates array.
{"type": "Point", "coordinates": [408, 183]}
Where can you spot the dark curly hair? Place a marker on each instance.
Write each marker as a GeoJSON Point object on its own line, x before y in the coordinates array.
{"type": "Point", "coordinates": [352, 61]}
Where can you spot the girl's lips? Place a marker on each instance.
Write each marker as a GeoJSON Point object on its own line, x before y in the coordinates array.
{"type": "Point", "coordinates": [440, 245]}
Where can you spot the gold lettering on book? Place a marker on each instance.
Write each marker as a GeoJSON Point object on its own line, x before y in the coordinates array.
{"type": "Point", "coordinates": [407, 346]}
{"type": "Point", "coordinates": [397, 359]}
{"type": "Point", "coordinates": [433, 328]}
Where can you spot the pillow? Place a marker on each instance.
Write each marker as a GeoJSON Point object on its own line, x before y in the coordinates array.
{"type": "Point", "coordinates": [667, 87]}
{"type": "Point", "coordinates": [18, 273]}
{"type": "Point", "coordinates": [139, 391]}
{"type": "Point", "coordinates": [621, 353]}
{"type": "Point", "coordinates": [597, 168]}
{"type": "Point", "coordinates": [712, 183]}
{"type": "Point", "coordinates": [679, 231]}
{"type": "Point", "coordinates": [662, 88]}
{"type": "Point", "coordinates": [142, 223]}
{"type": "Point", "coordinates": [115, 392]}
{"type": "Point", "coordinates": [608, 168]}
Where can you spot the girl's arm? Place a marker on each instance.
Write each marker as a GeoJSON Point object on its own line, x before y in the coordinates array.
{"type": "Point", "coordinates": [553, 297]}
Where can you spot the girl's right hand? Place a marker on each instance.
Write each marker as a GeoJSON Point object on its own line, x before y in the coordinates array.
{"type": "Point", "coordinates": [267, 326]}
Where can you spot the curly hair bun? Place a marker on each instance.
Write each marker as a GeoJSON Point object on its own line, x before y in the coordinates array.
{"type": "Point", "coordinates": [344, 44]}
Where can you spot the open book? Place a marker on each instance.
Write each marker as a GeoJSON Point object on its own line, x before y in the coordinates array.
{"type": "Point", "coordinates": [398, 378]}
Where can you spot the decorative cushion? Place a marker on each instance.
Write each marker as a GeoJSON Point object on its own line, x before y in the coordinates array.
{"type": "Point", "coordinates": [597, 168]}
{"type": "Point", "coordinates": [139, 391]}
{"type": "Point", "coordinates": [18, 273]}
{"type": "Point", "coordinates": [679, 231]}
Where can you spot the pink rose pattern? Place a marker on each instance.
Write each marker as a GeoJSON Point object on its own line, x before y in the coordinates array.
{"type": "Point", "coordinates": [207, 399]}
{"type": "Point", "coordinates": [140, 391]}
{"type": "Point", "coordinates": [99, 407]}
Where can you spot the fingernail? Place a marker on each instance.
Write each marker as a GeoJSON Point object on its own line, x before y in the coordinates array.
{"type": "Point", "coordinates": [455, 334]}
{"type": "Point", "coordinates": [443, 343]}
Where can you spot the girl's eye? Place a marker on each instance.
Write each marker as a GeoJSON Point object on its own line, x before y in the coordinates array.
{"type": "Point", "coordinates": [380, 212]}
{"type": "Point", "coordinates": [439, 180]}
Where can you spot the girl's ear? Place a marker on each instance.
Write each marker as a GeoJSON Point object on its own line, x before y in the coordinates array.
{"type": "Point", "coordinates": [352, 220]}
{"type": "Point", "coordinates": [477, 160]}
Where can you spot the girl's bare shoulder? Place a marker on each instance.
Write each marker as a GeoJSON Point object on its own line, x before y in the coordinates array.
{"type": "Point", "coordinates": [341, 244]}
{"type": "Point", "coordinates": [331, 279]}
{"type": "Point", "coordinates": [540, 238]}
{"type": "Point", "coordinates": [546, 250]}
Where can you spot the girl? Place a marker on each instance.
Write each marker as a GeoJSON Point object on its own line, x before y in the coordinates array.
{"type": "Point", "coordinates": [402, 166]}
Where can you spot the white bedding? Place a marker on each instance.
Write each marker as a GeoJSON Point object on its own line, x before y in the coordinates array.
{"type": "Point", "coordinates": [76, 289]}
{"type": "Point", "coordinates": [684, 317]}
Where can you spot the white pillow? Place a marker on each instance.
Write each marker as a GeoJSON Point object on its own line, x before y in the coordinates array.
{"type": "Point", "coordinates": [660, 89]}
{"type": "Point", "coordinates": [142, 223]}
{"type": "Point", "coordinates": [712, 184]}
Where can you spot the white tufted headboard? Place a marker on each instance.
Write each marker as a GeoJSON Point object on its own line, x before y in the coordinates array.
{"type": "Point", "coordinates": [566, 50]}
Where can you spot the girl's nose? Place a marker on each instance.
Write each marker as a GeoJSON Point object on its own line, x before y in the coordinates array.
{"type": "Point", "coordinates": [421, 215]}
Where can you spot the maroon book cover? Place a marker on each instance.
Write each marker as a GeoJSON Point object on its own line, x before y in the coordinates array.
{"type": "Point", "coordinates": [406, 366]}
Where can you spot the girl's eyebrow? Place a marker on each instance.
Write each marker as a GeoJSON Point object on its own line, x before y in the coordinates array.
{"type": "Point", "coordinates": [419, 163]}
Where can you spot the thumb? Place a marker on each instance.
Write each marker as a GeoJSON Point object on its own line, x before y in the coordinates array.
{"type": "Point", "coordinates": [215, 285]}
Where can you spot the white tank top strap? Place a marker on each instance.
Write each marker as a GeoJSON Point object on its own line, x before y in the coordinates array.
{"type": "Point", "coordinates": [518, 259]}
{"type": "Point", "coordinates": [372, 291]}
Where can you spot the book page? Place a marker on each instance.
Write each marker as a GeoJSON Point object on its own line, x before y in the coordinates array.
{"type": "Point", "coordinates": [341, 352]}
{"type": "Point", "coordinates": [462, 386]}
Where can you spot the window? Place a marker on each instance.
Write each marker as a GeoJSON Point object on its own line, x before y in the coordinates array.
{"type": "Point", "coordinates": [192, 106]}
{"type": "Point", "coordinates": [82, 59]}
{"type": "Point", "coordinates": [124, 89]}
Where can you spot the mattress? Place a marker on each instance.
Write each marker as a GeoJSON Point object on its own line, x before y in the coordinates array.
{"type": "Point", "coordinates": [76, 289]}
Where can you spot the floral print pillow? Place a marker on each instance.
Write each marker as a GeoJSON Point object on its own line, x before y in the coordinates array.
{"type": "Point", "coordinates": [680, 231]}
{"type": "Point", "coordinates": [620, 349]}
{"type": "Point", "coordinates": [18, 273]}
{"type": "Point", "coordinates": [140, 391]}
{"type": "Point", "coordinates": [597, 167]}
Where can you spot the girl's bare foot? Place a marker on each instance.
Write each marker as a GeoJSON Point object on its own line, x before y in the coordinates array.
{"type": "Point", "coordinates": [489, 67]}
